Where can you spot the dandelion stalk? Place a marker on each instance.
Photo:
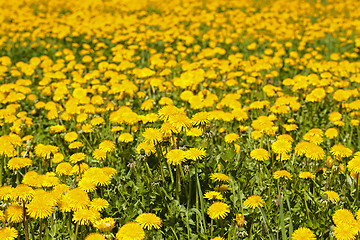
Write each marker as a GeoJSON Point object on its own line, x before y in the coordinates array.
{"type": "Point", "coordinates": [25, 223]}
{"type": "Point", "coordinates": [260, 180]}
{"type": "Point", "coordinates": [40, 229]}
{"type": "Point", "coordinates": [76, 231]}
{"type": "Point", "coordinates": [178, 183]}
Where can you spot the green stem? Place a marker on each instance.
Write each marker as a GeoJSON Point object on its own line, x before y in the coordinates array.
{"type": "Point", "coordinates": [260, 180]}
{"type": "Point", "coordinates": [25, 223]}
{"type": "Point", "coordinates": [76, 231]}
{"type": "Point", "coordinates": [178, 181]}
{"type": "Point", "coordinates": [211, 228]}
{"type": "Point", "coordinates": [40, 229]}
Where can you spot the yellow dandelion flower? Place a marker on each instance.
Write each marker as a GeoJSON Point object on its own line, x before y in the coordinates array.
{"type": "Point", "coordinates": [340, 150]}
{"type": "Point", "coordinates": [333, 196]}
{"type": "Point", "coordinates": [303, 234]}
{"type": "Point", "coordinates": [70, 136]}
{"type": "Point", "coordinates": [95, 236]}
{"type": "Point", "coordinates": [14, 213]}
{"type": "Point", "coordinates": [106, 224]}
{"type": "Point", "coordinates": [282, 174]}
{"type": "Point", "coordinates": [8, 233]}
{"type": "Point", "coordinates": [153, 135]}
{"type": "Point", "coordinates": [281, 146]}
{"type": "Point", "coordinates": [22, 193]}
{"type": "Point", "coordinates": [77, 157]}
{"type": "Point", "coordinates": [306, 175]}
{"type": "Point", "coordinates": [220, 177]}
{"type": "Point", "coordinates": [149, 221]}
{"type": "Point", "coordinates": [126, 138]}
{"type": "Point", "coordinates": [99, 154]}
{"type": "Point", "coordinates": [254, 201]}
{"type": "Point", "coordinates": [99, 204]}
{"type": "Point", "coordinates": [213, 195]}
{"type": "Point", "coordinates": [240, 219]}
{"type": "Point", "coordinates": [17, 163]}
{"type": "Point", "coordinates": [231, 137]}
{"type": "Point", "coordinates": [260, 154]}
{"type": "Point", "coordinates": [195, 154]}
{"type": "Point", "coordinates": [130, 231]}
{"type": "Point", "coordinates": [85, 216]}
{"type": "Point", "coordinates": [107, 146]}
{"type": "Point", "coordinates": [176, 156]}
{"type": "Point", "coordinates": [218, 210]}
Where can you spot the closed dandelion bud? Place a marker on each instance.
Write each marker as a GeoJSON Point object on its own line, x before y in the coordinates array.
{"type": "Point", "coordinates": [33, 112]}
{"type": "Point", "coordinates": [240, 219]}
{"type": "Point", "coordinates": [207, 129]}
{"type": "Point", "coordinates": [325, 196]}
{"type": "Point", "coordinates": [341, 169]}
{"type": "Point", "coordinates": [329, 162]}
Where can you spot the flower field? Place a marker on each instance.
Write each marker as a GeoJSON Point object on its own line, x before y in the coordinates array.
{"type": "Point", "coordinates": [183, 119]}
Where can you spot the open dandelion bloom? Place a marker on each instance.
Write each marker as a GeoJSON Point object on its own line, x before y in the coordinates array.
{"type": "Point", "coordinates": [99, 204]}
{"type": "Point", "coordinates": [282, 174]}
{"type": "Point", "coordinates": [213, 195]}
{"type": "Point", "coordinates": [85, 216]}
{"type": "Point", "coordinates": [331, 133]}
{"type": "Point", "coordinates": [153, 135]}
{"type": "Point", "coordinates": [22, 193]}
{"type": "Point", "coordinates": [126, 137]}
{"type": "Point", "coordinates": [130, 231]}
{"type": "Point", "coordinates": [306, 175]}
{"type": "Point", "coordinates": [345, 232]}
{"type": "Point", "coordinates": [354, 164]}
{"type": "Point", "coordinates": [70, 136]}
{"type": "Point", "coordinates": [218, 238]}
{"type": "Point", "coordinates": [99, 154]}
{"type": "Point", "coordinates": [303, 234]}
{"type": "Point", "coordinates": [106, 224]}
{"type": "Point", "coordinates": [260, 154]}
{"type": "Point", "coordinates": [333, 196]}
{"type": "Point", "coordinates": [42, 205]}
{"type": "Point", "coordinates": [17, 163]}
{"type": "Point", "coordinates": [149, 221]}
{"type": "Point", "coordinates": [195, 154]}
{"type": "Point", "coordinates": [76, 199]}
{"type": "Point", "coordinates": [107, 146]}
{"type": "Point", "coordinates": [281, 146]}
{"type": "Point", "coordinates": [341, 151]}
{"type": "Point", "coordinates": [314, 152]}
{"type": "Point", "coordinates": [254, 201]}
{"type": "Point", "coordinates": [176, 156]}
{"type": "Point", "coordinates": [343, 217]}
{"type": "Point", "coordinates": [77, 157]}
{"type": "Point", "coordinates": [8, 233]}
{"type": "Point", "coordinates": [231, 137]}
{"type": "Point", "coordinates": [218, 210]}
{"type": "Point", "coordinates": [223, 188]}
{"type": "Point", "coordinates": [14, 213]}
{"type": "Point", "coordinates": [95, 236]}
{"type": "Point", "coordinates": [220, 177]}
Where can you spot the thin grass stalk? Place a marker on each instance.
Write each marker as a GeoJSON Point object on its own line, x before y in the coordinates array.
{"type": "Point", "coordinates": [267, 224]}
{"type": "Point", "coordinates": [200, 196]}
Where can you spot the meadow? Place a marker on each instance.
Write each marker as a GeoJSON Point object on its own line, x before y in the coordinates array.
{"type": "Point", "coordinates": [183, 119]}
